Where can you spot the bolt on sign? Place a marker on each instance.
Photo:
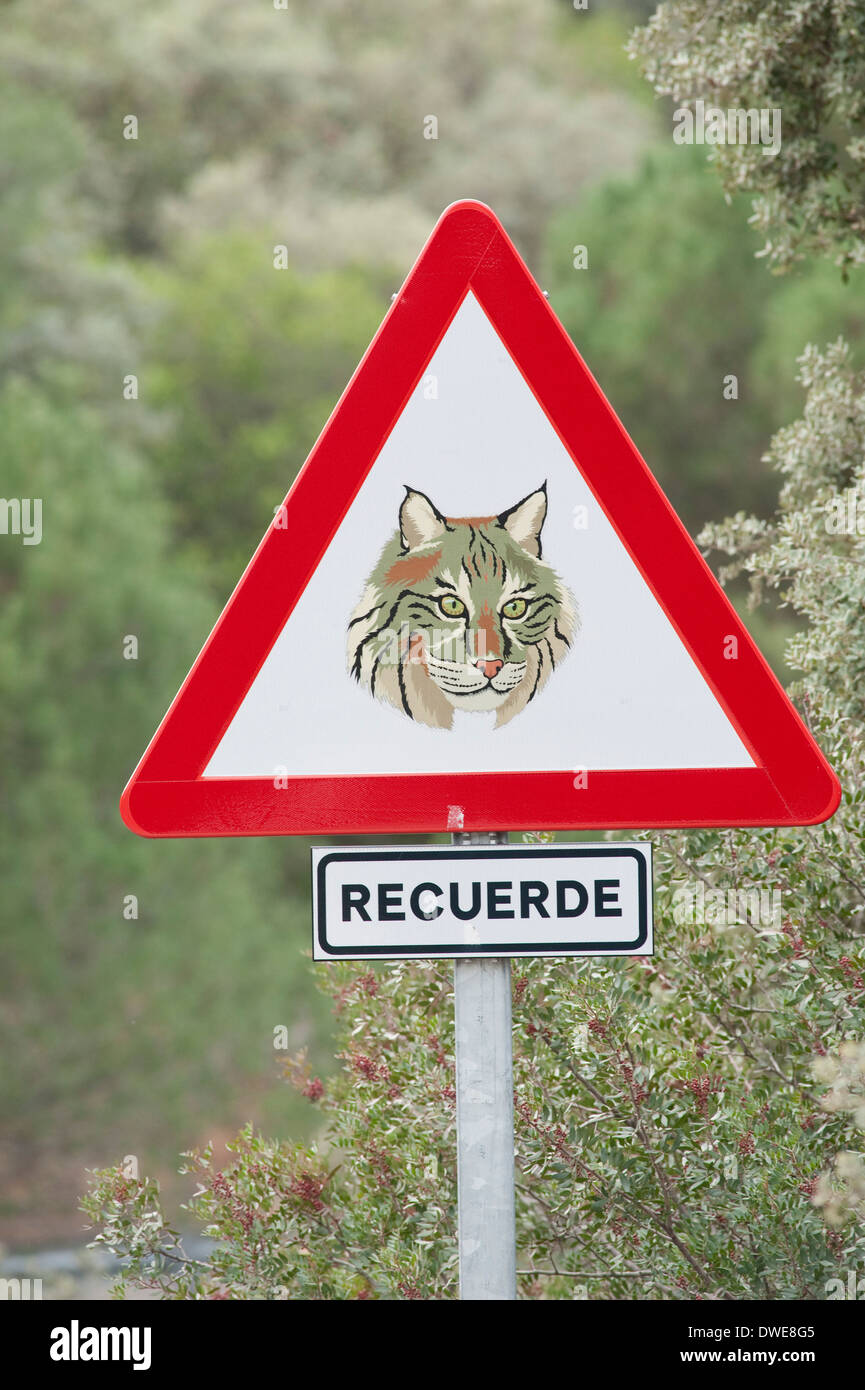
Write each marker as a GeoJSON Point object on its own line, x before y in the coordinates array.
{"type": "Point", "coordinates": [475, 609]}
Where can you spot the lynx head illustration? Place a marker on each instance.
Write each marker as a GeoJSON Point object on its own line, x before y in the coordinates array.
{"type": "Point", "coordinates": [461, 613]}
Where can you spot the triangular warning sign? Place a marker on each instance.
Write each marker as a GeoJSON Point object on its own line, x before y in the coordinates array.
{"type": "Point", "coordinates": [476, 610]}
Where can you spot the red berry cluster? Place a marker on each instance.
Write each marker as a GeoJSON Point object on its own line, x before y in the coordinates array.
{"type": "Point", "coordinates": [815, 1034]}
{"type": "Point", "coordinates": [369, 1068]}
{"type": "Point", "coordinates": [532, 1030]}
{"type": "Point", "coordinates": [553, 1135]}
{"type": "Point", "coordinates": [242, 1213]}
{"type": "Point", "coordinates": [701, 1087]}
{"type": "Point", "coordinates": [369, 983]}
{"type": "Point", "coordinates": [638, 1092]}
{"type": "Point", "coordinates": [746, 1143]}
{"type": "Point", "coordinates": [308, 1187]}
{"type": "Point", "coordinates": [380, 1164]}
{"type": "Point", "coordinates": [853, 975]}
{"type": "Point", "coordinates": [795, 939]}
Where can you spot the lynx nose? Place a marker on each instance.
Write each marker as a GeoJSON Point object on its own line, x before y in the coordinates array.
{"type": "Point", "coordinates": [490, 668]}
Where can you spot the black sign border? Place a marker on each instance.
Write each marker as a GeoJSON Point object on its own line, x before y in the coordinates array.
{"type": "Point", "coordinates": [643, 856]}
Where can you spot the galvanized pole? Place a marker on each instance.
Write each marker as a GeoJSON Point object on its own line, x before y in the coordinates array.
{"type": "Point", "coordinates": [485, 1119]}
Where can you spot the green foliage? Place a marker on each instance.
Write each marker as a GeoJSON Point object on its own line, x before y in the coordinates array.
{"type": "Point", "coordinates": [66, 315]}
{"type": "Point", "coordinates": [100, 1009]}
{"type": "Point", "coordinates": [308, 120]}
{"type": "Point", "coordinates": [815, 567]}
{"type": "Point", "coordinates": [809, 305]}
{"type": "Point", "coordinates": [806, 59]}
{"type": "Point", "coordinates": [368, 1213]}
{"type": "Point", "coordinates": [672, 301]}
{"type": "Point", "coordinates": [248, 362]}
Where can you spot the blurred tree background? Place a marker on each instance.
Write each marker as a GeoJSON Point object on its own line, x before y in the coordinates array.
{"type": "Point", "coordinates": [300, 126]}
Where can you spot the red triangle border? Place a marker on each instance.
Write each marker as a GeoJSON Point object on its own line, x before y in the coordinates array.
{"type": "Point", "coordinates": [792, 783]}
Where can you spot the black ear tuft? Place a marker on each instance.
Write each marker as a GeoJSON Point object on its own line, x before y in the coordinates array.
{"type": "Point", "coordinates": [420, 521]}
{"type": "Point", "coordinates": [524, 521]}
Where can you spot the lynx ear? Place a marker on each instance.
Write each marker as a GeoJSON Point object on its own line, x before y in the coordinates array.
{"type": "Point", "coordinates": [419, 521]}
{"type": "Point", "coordinates": [524, 521]}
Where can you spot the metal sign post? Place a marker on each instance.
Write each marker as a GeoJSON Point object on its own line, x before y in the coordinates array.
{"type": "Point", "coordinates": [485, 1119]}
{"type": "Point", "coordinates": [483, 902]}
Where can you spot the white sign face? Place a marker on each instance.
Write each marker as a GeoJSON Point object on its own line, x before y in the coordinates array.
{"type": "Point", "coordinates": [624, 693]}
{"type": "Point", "coordinates": [389, 903]}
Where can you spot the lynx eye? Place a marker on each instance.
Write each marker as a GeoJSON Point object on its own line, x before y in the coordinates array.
{"type": "Point", "coordinates": [515, 608]}
{"type": "Point", "coordinates": [451, 606]}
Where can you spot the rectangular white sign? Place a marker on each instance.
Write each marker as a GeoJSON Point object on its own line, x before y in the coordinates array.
{"type": "Point", "coordinates": [393, 903]}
